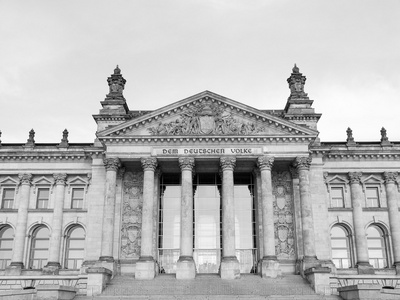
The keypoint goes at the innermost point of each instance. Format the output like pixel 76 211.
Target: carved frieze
pixel 206 117
pixel 283 215
pixel 131 215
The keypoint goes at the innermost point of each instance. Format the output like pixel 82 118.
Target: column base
pixel 15 268
pixel 52 268
pixel 145 268
pixel 185 268
pixel 269 267
pixel 230 268
pixel 365 268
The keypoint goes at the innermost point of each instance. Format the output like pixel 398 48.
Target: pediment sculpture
pixel 206 118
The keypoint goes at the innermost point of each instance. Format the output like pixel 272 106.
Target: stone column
pixel 357 198
pixel 394 216
pixel 302 164
pixel 146 266
pixel 229 264
pixel 20 232
pixel 269 262
pixel 186 268
pixel 53 264
pixel 112 165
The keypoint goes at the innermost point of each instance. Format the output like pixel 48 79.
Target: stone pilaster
pixel 357 198
pixel 53 264
pixel 112 165
pixel 20 232
pixel 302 164
pixel 394 217
pixel 146 266
pixel 186 268
pixel 269 263
pixel 229 264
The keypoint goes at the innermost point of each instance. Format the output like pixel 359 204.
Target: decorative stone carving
pixel 131 215
pixel 149 163
pixel 384 138
pixel 355 177
pixel 350 139
pixel 390 177
pixel 60 178
pixel 227 163
pixel 265 162
pixel 116 84
pixel 25 178
pixel 112 164
pixel 206 117
pixel 64 140
pixel 293 171
pixel 296 83
pixel 302 163
pixel 30 142
pixel 283 215
pixel 186 163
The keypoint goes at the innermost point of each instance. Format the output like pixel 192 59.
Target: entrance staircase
pixel 210 287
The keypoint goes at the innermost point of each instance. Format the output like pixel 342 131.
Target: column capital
pixel 228 163
pixel 149 163
pixel 25 178
pixel 112 164
pixel 186 163
pixel 355 177
pixel 390 177
pixel 60 178
pixel 265 162
pixel 302 163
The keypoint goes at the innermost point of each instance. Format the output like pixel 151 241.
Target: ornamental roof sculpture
pixel 206 118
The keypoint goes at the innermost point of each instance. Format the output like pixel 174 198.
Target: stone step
pixel 211 287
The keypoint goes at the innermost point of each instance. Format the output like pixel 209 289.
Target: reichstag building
pixel 205 185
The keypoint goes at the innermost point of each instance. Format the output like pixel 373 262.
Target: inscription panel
pixel 207 151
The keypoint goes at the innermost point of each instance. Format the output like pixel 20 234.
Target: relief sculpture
pixel 283 215
pixel 206 118
pixel 131 215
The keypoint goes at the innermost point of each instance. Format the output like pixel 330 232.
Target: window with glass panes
pixel 75 247
pixel 376 247
pixel 43 195
pixel 77 198
pixel 337 197
pixel 372 195
pixel 8 198
pixel 39 248
pixel 6 243
pixel 340 246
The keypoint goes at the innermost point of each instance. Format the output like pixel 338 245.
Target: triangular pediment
pixel 207 114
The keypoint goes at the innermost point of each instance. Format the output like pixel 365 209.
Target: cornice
pixel 35 155
pixel 206 139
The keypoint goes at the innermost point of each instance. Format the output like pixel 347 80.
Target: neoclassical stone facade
pixel 203 185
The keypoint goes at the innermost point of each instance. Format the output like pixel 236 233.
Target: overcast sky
pixel 55 57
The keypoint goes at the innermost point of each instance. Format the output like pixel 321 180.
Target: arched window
pixel 39 248
pixel 75 248
pixel 340 245
pixel 6 243
pixel 377 247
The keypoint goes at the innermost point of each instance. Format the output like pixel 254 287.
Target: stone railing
pixel 33 281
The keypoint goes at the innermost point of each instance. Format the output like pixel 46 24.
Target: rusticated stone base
pixel 145 268
pixel 270 268
pixel 230 268
pixel 185 268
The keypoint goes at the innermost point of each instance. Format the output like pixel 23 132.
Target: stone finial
pixel 0 138
pixel 30 142
pixel 296 83
pixel 384 138
pixel 64 140
pixel 350 140
pixel 116 84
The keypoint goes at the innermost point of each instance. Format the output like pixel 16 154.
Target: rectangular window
pixel 8 198
pixel 43 195
pixel 77 198
pixel 337 197
pixel 372 194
